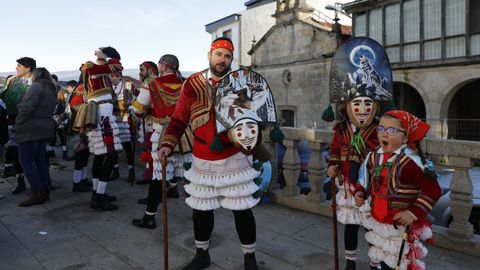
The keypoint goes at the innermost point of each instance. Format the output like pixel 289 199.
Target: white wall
pixel 255 22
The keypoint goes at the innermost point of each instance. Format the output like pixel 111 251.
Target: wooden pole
pixel 334 216
pixel 164 213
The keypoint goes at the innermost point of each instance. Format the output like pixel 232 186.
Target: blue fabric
pixel 34 162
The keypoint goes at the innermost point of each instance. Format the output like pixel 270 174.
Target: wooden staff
pixel 402 247
pixel 334 216
pixel 164 214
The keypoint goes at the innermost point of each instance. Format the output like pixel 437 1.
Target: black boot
pixel 65 155
pixel 131 176
pixel 147 221
pixel 143 201
pixel 200 261
pixel 45 194
pixel 35 198
pixel 351 265
pixel 172 192
pixel 80 187
pixel 51 153
pixel 86 183
pixel 249 261
pixel 100 202
pixel 8 171
pixel 20 187
pixel 115 174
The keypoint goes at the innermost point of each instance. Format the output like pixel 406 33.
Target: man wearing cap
pixel 218 176
pixel 160 99
pixel 12 94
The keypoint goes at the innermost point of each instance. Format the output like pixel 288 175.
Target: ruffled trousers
pixel 226 183
pixel 386 242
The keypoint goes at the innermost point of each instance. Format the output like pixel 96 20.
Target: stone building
pixel 295 56
pixel 434 48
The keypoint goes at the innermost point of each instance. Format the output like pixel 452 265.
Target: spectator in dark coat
pixel 34 127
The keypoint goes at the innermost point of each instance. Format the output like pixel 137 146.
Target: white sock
pixel 77 176
pixel 202 244
pixel 64 148
pixel 115 166
pixel 248 248
pixel 19 175
pixel 95 183
pixel 130 166
pixel 351 255
pixel 149 213
pixel 84 172
pixel 102 187
pixel 11 165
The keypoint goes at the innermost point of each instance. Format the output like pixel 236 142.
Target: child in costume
pixel 403 190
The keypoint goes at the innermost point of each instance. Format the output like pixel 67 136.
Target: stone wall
pixel 298 48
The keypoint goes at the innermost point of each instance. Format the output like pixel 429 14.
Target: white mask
pixel 362 111
pixel 244 134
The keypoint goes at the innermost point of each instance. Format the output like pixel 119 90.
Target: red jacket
pixel 195 107
pixel 347 157
pixel 98 80
pixel 164 94
pixel 401 187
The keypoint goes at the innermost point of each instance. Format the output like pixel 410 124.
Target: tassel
pixel 257 165
pixel 187 165
pixel 276 135
pixel 328 115
pixel 216 145
pixel 257 194
pixel 258 181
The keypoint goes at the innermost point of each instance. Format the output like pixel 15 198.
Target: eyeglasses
pixel 390 131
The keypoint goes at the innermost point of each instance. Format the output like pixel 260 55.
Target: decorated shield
pixel 243 94
pixel 360 65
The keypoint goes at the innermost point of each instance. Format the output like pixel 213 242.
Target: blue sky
pixel 61 35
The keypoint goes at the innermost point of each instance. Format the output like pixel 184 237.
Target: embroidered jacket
pixel 195 107
pixel 402 185
pixel 77 97
pixel 98 82
pixel 345 154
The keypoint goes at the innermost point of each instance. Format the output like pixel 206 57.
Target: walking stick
pixel 334 217
pixel 402 247
pixel 164 214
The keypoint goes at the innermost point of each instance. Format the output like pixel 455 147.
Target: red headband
pixel 415 128
pixel 222 44
pixel 149 66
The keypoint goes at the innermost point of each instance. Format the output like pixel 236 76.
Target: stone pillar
pixel 291 168
pixel 317 173
pixel 461 198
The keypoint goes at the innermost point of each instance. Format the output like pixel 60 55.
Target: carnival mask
pixel 361 111
pixel 244 134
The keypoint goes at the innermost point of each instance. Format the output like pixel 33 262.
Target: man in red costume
pixel 160 99
pixel 148 73
pixel 220 175
pixel 103 140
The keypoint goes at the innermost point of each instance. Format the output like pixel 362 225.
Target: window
pixel 411 52
pixel 392 24
pixel 474 13
pixel 393 54
pixel 455 12
pixel 475 44
pixel 227 34
pixel 375 29
pixel 411 21
pixel 432 19
pixel 455 47
pixel 360 25
pixel 432 49
pixel 288 118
